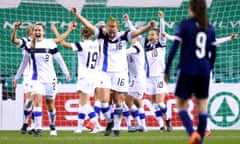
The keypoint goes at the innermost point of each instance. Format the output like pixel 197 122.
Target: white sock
pixel 27 109
pixel 52 117
pixel 142 119
pixel 81 116
pixel 37 117
pixel 91 114
pixel 106 110
pixel 117 118
pixel 126 114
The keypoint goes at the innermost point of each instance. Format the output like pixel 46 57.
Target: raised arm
pixel 128 22
pixel 132 28
pixel 83 20
pixel 63 42
pixel 61 37
pixel 162 27
pixel 143 29
pixel 14 38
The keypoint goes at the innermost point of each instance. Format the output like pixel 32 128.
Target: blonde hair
pixel 86 33
pixel 29 30
pixel 113 21
pixel 33 43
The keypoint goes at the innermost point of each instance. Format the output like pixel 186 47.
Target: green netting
pixel 224 15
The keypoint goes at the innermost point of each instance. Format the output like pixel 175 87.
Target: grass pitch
pixel 151 137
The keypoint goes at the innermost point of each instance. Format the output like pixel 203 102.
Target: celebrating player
pixel 155 49
pixel 114 67
pixel 197 58
pixel 88 56
pixel 137 75
pixel 44 79
pixel 26 75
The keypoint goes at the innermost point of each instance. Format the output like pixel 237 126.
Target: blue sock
pixel 142 115
pixel 187 122
pixel 97 109
pixel 158 113
pixel 135 113
pixel 202 123
pixel 126 113
pixel 164 110
pixel 81 116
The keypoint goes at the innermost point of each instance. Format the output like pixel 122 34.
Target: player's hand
pixel 17 25
pixel 74 25
pixel 164 34
pixel 53 27
pixel 166 77
pixel 68 78
pixel 74 10
pixel 125 17
pixel 14 83
pixel 234 36
pixel 153 23
pixel 160 14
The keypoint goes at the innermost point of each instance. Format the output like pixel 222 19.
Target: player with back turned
pixel 88 54
pixel 197 57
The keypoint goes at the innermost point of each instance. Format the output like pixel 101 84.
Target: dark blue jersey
pixel 197 54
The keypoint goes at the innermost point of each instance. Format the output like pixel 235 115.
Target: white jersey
pixel 28 71
pixel 100 56
pixel 88 56
pixel 136 62
pixel 155 59
pixel 42 58
pixel 155 54
pixel 114 51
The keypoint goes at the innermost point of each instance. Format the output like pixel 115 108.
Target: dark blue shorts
pixel 188 85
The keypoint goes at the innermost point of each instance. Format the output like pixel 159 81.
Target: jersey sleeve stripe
pixel 137 49
pixel 105 60
pixel 23 43
pixel 53 51
pixel 78 46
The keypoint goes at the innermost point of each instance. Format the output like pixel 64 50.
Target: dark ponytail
pixel 199 9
